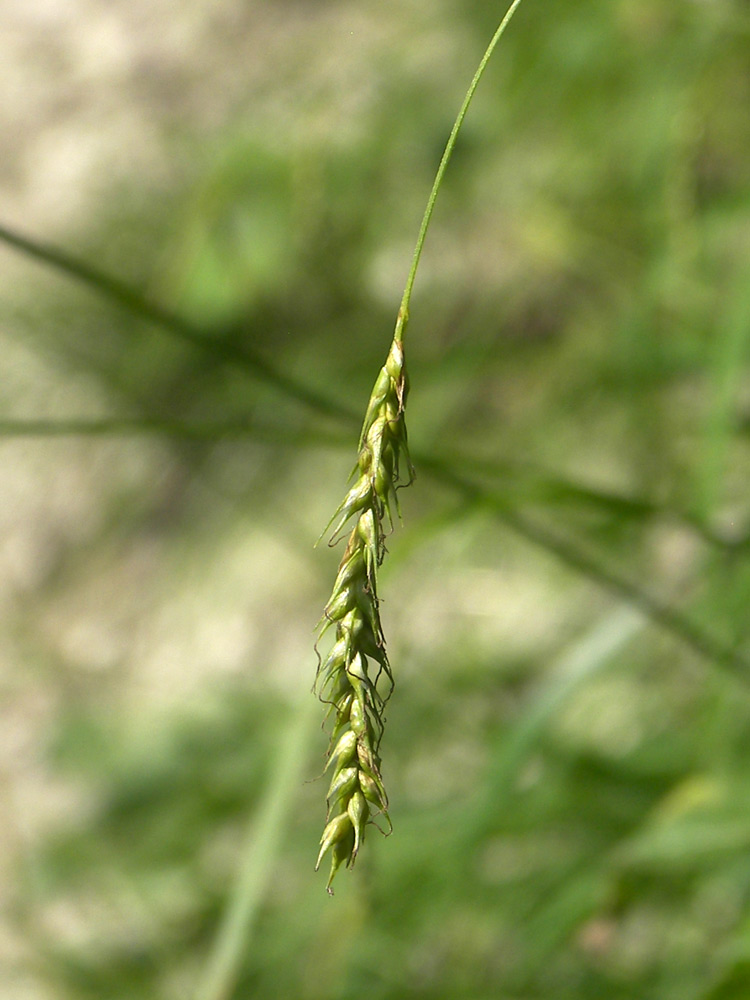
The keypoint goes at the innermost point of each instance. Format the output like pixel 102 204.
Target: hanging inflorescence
pixel 355 678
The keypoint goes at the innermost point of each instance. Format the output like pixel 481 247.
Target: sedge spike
pixel 355 679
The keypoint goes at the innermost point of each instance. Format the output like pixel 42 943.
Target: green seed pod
pixel 359 814
pixel 360 682
pixel 373 791
pixel 353 610
pixel 375 441
pixel 335 831
pixel 366 759
pixel 342 852
pixel 344 750
pixel 358 717
pixel 389 457
pixel 370 647
pixel 368 534
pixel 342 709
pixel 336 657
pixel 357 667
pixel 344 783
pixel 356 499
pixel 353 568
pixel 376 430
pixel 368 605
pixel 394 363
pixel 340 603
pixel 380 390
pixel 383 484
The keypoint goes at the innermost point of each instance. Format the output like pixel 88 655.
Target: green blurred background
pixel 567 600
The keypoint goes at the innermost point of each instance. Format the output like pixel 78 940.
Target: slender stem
pixel 403 313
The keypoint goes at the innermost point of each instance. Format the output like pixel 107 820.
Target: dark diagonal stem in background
pixel 139 305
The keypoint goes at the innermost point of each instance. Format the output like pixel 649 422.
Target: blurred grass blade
pixel 588 656
pixel 659 612
pixel 213 430
pixel 134 302
pixel 262 847
pixel 727 380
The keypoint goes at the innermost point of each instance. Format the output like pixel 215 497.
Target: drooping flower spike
pixel 355 678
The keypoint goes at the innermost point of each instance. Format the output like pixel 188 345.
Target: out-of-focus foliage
pixel 569 780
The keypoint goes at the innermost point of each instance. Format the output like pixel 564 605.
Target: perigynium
pixel 355 678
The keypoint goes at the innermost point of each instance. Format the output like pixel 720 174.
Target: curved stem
pixel 403 313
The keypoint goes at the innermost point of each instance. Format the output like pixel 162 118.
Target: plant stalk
pixel 403 313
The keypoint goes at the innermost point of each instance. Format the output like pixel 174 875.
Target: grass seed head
pixel 345 679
